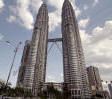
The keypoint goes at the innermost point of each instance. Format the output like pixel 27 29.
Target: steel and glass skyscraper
pixel 75 75
pixel 24 62
pixel 40 66
pixel 36 69
pixel 95 82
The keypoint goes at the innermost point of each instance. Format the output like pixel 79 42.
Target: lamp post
pixel 15 52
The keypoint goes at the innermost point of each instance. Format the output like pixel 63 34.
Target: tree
pixel 51 91
pixel 15 92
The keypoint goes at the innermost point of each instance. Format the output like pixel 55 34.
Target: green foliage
pixel 51 90
pixel 15 92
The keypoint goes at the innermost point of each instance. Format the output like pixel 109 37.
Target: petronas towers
pixel 75 76
pixel 35 71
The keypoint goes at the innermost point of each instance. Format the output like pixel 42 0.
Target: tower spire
pixel 66 0
pixel 44 1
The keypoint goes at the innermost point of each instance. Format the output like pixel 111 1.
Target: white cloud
pixel 84 37
pixel 25 9
pixel 85 7
pixel 51 78
pixel 54 21
pixel 1 5
pixel 77 12
pixel 98 49
pixel 95 2
pixel 76 9
pixel 35 4
pixel 102 33
pixel 55 17
pixel 1 36
pixel 23 14
pixel 57 3
pixel 26 18
pixel 54 78
pixel 84 23
pixel 11 19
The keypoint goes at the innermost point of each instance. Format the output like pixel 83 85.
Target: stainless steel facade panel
pixel 35 72
pixel 73 57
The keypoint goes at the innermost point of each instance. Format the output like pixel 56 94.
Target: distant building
pixel 24 62
pixel 94 79
pixel 95 84
pixel 106 95
pixel 110 89
pixel 51 90
pixel 102 95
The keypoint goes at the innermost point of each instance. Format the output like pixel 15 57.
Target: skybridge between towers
pixel 55 40
pixel 74 67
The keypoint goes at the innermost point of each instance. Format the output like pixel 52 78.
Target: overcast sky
pixel 95 23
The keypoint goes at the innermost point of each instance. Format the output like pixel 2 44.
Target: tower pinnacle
pixel 66 0
pixel 44 1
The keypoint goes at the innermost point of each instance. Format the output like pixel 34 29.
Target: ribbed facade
pixel 40 67
pixel 95 82
pixel 75 75
pixel 24 63
pixel 35 72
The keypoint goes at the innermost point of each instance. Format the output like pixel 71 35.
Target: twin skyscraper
pixel 75 76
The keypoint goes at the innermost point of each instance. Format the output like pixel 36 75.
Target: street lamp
pixel 15 52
